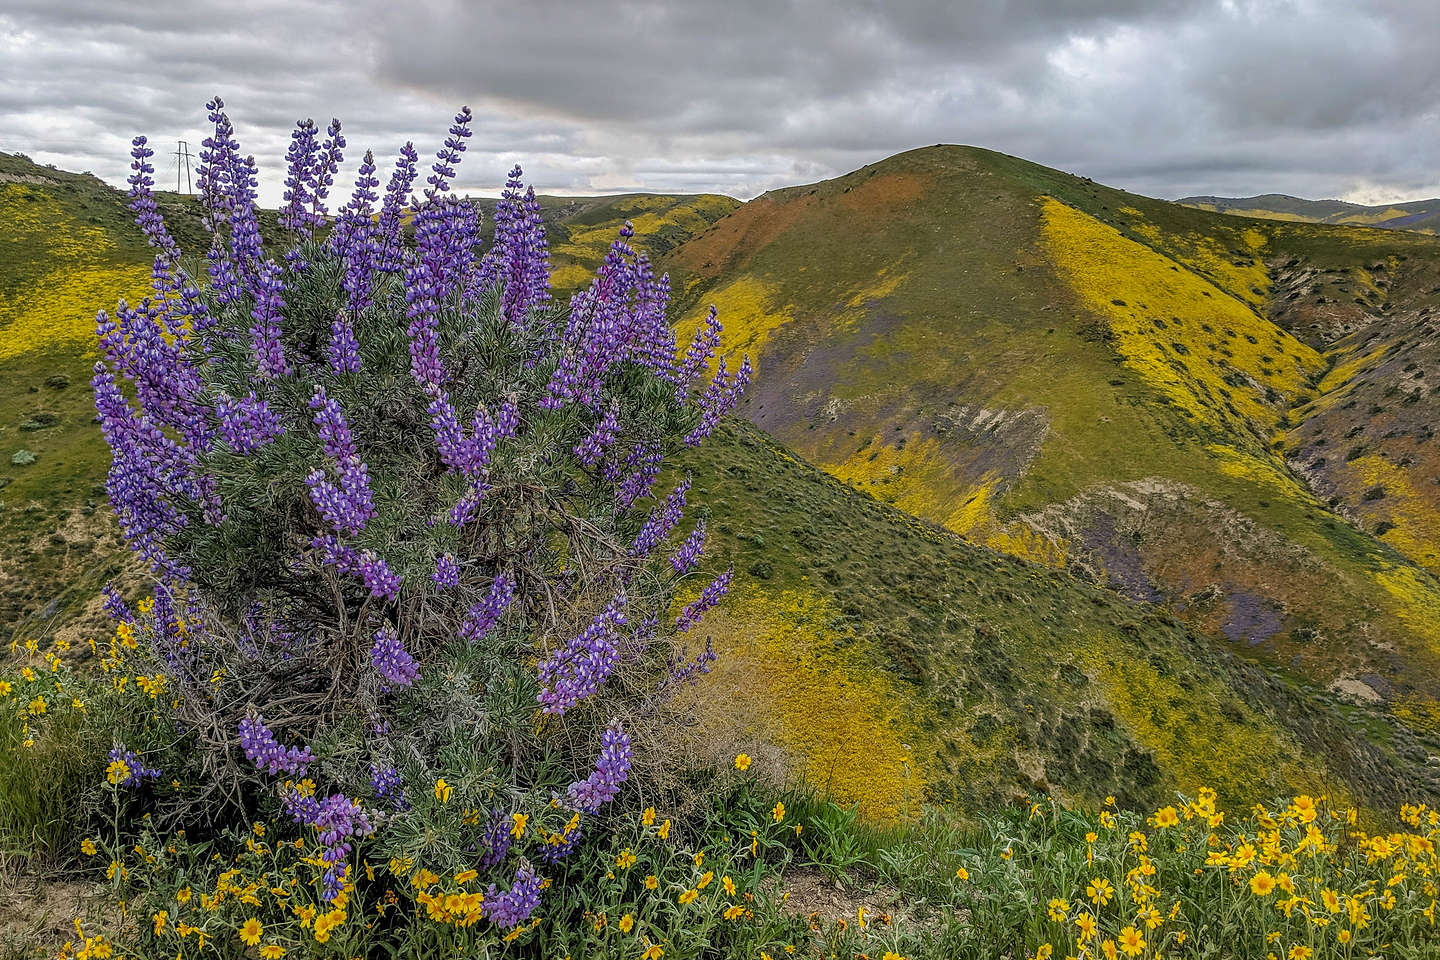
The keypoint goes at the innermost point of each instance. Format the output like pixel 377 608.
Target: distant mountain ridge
pixel 1420 215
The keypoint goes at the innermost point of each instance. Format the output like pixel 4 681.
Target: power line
pixel 182 160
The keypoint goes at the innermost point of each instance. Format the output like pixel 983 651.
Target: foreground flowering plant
pixel 401 508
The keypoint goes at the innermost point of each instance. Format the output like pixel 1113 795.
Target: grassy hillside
pixel 1421 215
pixel 1099 381
pixel 893 663
pixel 870 650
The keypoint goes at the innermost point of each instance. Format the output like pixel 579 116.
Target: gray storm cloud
pixel 1323 98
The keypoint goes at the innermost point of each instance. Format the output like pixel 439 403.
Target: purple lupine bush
pixel 402 505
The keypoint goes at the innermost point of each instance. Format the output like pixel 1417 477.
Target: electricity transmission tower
pixel 182 162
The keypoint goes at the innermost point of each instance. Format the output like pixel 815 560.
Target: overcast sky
pixel 1320 98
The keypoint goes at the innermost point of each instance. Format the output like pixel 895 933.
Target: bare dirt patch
pixel 37 916
pixel 810 893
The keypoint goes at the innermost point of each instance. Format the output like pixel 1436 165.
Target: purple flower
pixel 189 380
pixel 378 577
pixel 685 670
pixel 709 597
pixel 664 518
pixel 469 454
pixel 138 772
pixel 366 564
pixel 147 470
pixel 519 257
pixel 643 466
pixel 578 669
pixel 147 214
pixel 513 907
pixel 239 268
pixel 262 749
pixel 495 841
pixel 447 572
pixel 386 783
pixel 336 819
pixel 115 605
pixel 697 356
pixel 687 557
pixel 391 660
pixel 303 157
pixel 389 226
pixel 328 165
pixel 311 173
pixel 334 431
pixel 343 351
pixel 468 505
pixel 445 233
pixel 246 424
pixel 354 240
pixel 265 332
pixel 719 398
pixel 176 648
pixel 483 615
pixel 558 846
pixel 612 769
pixel 618 319
pixel 593 447
pixel 347 505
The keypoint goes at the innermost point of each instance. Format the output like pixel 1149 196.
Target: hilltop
pixel 1420 215
pixel 1130 389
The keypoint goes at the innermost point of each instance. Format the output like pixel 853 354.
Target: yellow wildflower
pixel 250 932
